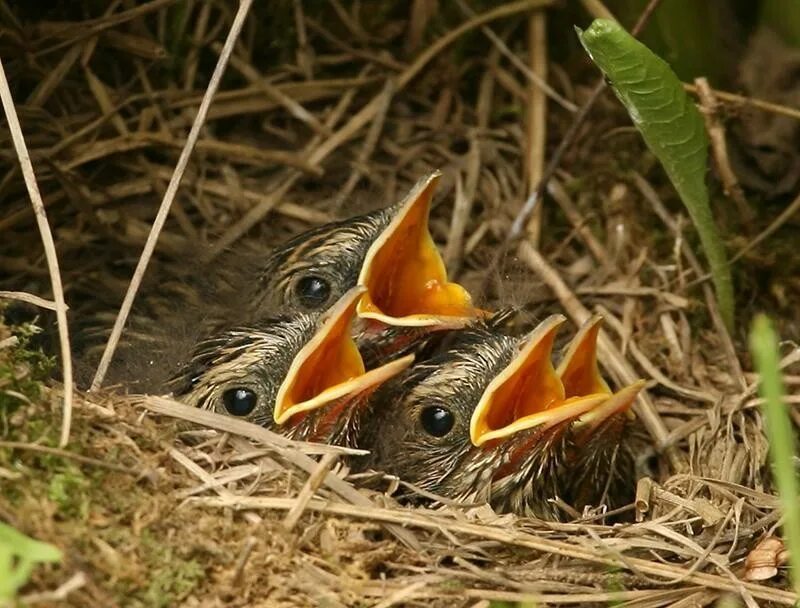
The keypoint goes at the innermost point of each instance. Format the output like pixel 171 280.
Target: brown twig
pixel 536 123
pixel 311 485
pixel 766 106
pixel 536 78
pixel 30 299
pixel 719 148
pixel 169 407
pixel 779 221
pixel 597 9
pixel 241 561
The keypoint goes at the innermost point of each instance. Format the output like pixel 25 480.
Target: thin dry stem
pixel 30 299
pixel 536 136
pixel 49 249
pixel 169 195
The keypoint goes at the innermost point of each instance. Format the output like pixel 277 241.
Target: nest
pixel 322 112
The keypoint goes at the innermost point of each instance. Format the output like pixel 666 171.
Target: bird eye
pixel 312 291
pixel 437 420
pixel 239 401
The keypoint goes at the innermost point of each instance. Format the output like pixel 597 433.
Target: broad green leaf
pixel 764 348
pixel 18 555
pixel 672 128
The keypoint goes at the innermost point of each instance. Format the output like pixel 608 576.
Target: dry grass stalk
pixel 24 158
pixel 536 118
pixel 169 195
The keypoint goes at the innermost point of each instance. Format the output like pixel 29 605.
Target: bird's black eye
pixel 239 401
pixel 437 420
pixel 312 291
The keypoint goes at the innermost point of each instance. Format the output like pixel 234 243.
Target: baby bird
pixel 490 419
pixel 389 253
pixel 302 376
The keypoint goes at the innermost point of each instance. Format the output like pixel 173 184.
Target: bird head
pixel 389 252
pixel 301 375
pixel 492 419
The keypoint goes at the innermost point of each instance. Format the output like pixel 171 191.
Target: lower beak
pixel 617 404
pixel 530 393
pixel 329 368
pixel 404 275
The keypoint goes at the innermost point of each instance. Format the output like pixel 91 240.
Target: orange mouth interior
pixel 529 393
pixel 526 387
pixel 329 367
pixel 405 276
pixel 578 369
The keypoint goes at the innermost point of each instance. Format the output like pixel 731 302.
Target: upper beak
pixel 329 367
pixel 404 274
pixel 529 392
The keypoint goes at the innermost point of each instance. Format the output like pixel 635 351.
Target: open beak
pixel 329 367
pixel 617 404
pixel 530 393
pixel 405 276
pixel 580 375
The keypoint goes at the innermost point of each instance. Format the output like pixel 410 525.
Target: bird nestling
pixel 301 375
pixel 490 419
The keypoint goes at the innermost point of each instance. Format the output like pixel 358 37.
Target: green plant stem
pixel 764 347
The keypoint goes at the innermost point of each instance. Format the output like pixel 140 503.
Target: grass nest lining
pixel 158 504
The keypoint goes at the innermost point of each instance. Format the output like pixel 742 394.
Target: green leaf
pixel 764 347
pixel 18 555
pixel 672 128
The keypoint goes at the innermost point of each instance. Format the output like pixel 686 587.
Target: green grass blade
pixel 764 347
pixel 672 128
